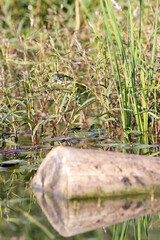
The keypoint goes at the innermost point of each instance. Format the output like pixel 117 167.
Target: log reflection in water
pixel 74 217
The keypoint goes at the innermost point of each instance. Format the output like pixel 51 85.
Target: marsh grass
pixel 128 86
pixel 53 76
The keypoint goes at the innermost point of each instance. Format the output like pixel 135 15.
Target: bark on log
pixel 79 173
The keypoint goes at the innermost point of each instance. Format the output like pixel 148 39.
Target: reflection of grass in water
pixel 52 79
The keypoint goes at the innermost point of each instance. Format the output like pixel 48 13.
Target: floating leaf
pixel 128 146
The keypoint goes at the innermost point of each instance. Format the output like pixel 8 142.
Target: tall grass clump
pixel 65 65
pixel 134 77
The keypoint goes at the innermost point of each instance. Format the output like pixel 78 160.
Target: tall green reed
pixel 132 92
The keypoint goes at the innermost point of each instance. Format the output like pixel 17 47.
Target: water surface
pixel 21 215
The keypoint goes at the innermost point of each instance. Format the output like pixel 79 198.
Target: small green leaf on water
pixel 14 161
pixel 128 146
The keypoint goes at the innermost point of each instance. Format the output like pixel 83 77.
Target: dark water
pixel 21 217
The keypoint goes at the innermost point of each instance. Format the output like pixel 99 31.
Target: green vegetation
pixel 105 73
pixel 67 64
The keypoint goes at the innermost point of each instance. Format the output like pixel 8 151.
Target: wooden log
pixel 78 173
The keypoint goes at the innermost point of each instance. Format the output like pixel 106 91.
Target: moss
pixel 149 190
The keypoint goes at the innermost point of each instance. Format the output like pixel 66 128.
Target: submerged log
pixel 78 173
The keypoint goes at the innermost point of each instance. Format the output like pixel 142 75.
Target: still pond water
pixel 22 216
